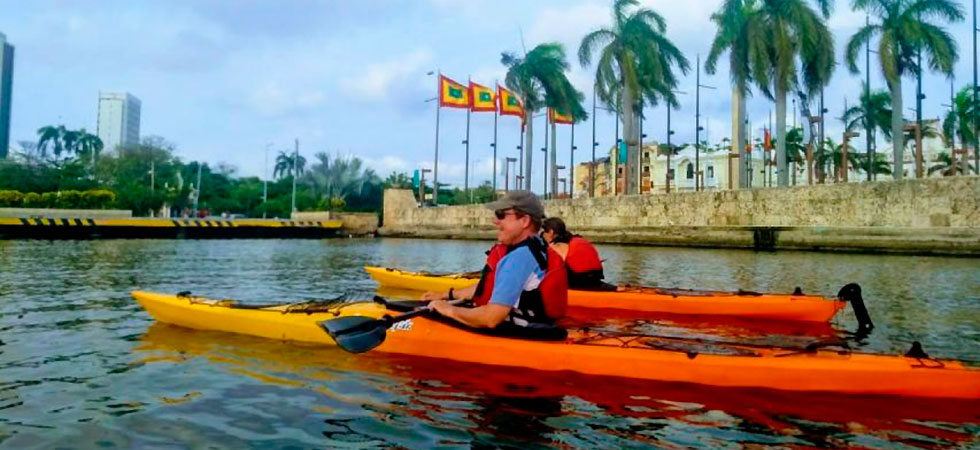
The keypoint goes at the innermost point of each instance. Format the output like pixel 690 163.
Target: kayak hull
pixel 593 354
pixel 812 308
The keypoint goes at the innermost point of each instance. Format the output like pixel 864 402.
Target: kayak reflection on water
pixel 432 401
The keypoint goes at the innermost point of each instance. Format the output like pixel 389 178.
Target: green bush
pixel 32 200
pixel 11 199
pixel 68 200
pixel 333 204
pixel 49 199
pixel 97 199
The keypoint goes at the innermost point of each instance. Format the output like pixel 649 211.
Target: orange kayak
pixel 814 308
pixel 588 352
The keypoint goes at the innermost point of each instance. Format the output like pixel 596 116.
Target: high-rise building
pixel 6 89
pixel 119 119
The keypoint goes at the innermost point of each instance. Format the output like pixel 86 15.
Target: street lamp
pixel 843 153
pixel 435 173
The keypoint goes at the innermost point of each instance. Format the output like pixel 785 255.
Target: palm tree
pixel 906 28
pixel 539 79
pixel 339 177
pixel 795 31
pixel 828 159
pixel 947 166
pixel 636 62
pixel 880 165
pixel 88 144
pixel 873 111
pixel 959 120
pixel 52 137
pixel 795 150
pixel 741 33
pixel 285 164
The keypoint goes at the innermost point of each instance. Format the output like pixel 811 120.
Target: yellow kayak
pixel 641 299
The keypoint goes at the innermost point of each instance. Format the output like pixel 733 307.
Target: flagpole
pixel 594 145
pixel 295 173
pixel 495 142
pixel 520 156
pixel 435 168
pixel 544 164
pixel 466 176
pixel 571 165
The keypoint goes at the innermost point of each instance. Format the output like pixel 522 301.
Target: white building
pixel 119 119
pixel 6 88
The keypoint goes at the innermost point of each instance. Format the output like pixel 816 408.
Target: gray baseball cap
pixel 523 201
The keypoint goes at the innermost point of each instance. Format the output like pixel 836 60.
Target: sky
pixel 233 81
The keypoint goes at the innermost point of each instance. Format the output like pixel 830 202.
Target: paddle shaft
pixel 387 321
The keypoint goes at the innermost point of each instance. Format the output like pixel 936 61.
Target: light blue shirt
pixel 517 272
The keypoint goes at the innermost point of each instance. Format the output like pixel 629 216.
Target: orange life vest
pixel 549 299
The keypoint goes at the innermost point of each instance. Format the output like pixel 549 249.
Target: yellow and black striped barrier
pixel 80 228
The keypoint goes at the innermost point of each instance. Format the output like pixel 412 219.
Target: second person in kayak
pixel 581 257
pixel 524 282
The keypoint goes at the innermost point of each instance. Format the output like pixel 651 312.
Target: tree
pixel 740 32
pixel 285 164
pixel 948 166
pixel 829 156
pixel 53 138
pixel 539 80
pixel 906 28
pixel 795 150
pixel 398 180
pixel 959 120
pixel 636 62
pixel 339 177
pixel 873 111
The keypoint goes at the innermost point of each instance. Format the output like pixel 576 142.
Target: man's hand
pixel 435 295
pixel 441 306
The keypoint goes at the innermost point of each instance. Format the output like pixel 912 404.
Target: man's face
pixel 510 225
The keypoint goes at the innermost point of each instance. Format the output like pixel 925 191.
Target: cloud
pixel 376 82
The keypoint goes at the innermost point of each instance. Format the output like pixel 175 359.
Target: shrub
pixel 32 200
pixel 11 199
pixel 68 200
pixel 48 200
pixel 98 198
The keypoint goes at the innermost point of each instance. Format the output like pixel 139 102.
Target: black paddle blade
pixel 356 334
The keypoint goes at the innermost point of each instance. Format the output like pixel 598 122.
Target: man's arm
pixel 486 316
pixel 464 293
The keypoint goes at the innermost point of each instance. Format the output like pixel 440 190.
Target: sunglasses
pixel 502 213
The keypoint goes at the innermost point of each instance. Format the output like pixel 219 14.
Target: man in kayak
pixel 524 283
pixel 581 257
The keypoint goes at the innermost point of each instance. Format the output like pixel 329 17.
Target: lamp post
pixel 594 145
pixel 697 125
pixel 843 153
pixel 295 174
pixel 435 166
pixel 265 179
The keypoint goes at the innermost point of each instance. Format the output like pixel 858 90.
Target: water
pixel 81 365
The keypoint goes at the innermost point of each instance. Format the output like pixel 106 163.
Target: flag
pixel 556 117
pixel 510 105
pixel 453 94
pixel 483 98
pixel 767 140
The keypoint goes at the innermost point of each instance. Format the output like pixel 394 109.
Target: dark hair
pixel 558 226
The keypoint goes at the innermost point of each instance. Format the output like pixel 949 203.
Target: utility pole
pixel 295 173
pixel 265 179
pixel 697 126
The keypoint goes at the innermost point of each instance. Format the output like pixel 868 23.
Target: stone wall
pixel 358 224
pixel 938 215
pixel 66 213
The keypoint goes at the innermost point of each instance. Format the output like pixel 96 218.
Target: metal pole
pixel 571 164
pixel 594 145
pixel 976 136
pixel 697 127
pixel 495 150
pixel 918 103
pixel 295 173
pixel 554 159
pixel 265 180
pixel 198 198
pixel 639 156
pixel 435 167
pixel 869 137
pixel 669 149
pixel 466 171
pixel 615 158
pixel 544 165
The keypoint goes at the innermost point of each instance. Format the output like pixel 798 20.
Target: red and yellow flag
pixel 483 98
pixel 510 105
pixel 453 94
pixel 556 117
pixel 767 140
